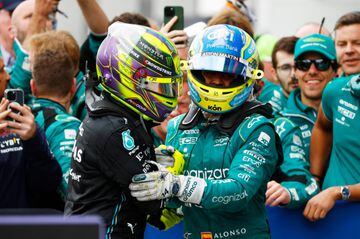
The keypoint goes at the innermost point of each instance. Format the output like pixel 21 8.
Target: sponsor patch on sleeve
pixel 70 133
pixel 294 194
pixel 297 140
pixel 312 187
pixel 264 138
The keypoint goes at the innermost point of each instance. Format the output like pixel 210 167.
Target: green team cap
pixel 316 43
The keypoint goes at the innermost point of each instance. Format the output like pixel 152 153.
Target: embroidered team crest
pixel 128 141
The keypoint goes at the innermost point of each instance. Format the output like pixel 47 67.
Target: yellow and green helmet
pixel 227 49
pixel 140 68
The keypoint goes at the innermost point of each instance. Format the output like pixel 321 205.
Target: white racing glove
pixel 170 158
pixel 163 184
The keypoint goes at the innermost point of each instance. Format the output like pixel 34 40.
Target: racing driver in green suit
pixel 229 144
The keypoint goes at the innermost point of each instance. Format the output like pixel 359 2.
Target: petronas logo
pixel 128 141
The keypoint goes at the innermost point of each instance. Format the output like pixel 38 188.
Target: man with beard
pixel 284 71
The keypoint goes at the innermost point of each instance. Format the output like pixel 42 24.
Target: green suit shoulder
pixel 284 127
pixel 60 130
pixel 250 124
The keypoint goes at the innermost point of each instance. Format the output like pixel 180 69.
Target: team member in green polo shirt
pixel 270 91
pixel 315 66
pixel 337 129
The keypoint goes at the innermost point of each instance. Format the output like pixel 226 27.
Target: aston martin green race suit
pixel 302 116
pixel 60 130
pixel 295 169
pixel 236 167
pixel 273 94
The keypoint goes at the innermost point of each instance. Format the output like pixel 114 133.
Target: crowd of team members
pixel 311 81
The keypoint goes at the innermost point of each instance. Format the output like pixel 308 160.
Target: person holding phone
pixel 173 28
pixel 25 159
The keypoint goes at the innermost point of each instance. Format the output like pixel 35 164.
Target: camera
pixel 169 12
pixel 15 95
pixel 11 96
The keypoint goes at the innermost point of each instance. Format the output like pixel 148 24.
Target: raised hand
pixel 178 37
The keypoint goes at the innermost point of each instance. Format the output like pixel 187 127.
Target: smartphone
pixel 170 12
pixel 14 95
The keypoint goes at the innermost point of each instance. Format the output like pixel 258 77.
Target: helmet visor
pixel 168 87
pixel 235 80
pixel 226 64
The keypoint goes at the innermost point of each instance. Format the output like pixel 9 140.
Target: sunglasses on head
pixel 320 64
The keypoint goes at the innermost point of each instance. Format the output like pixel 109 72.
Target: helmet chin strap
pixel 252 96
pixel 211 118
